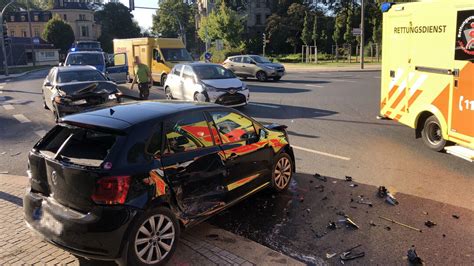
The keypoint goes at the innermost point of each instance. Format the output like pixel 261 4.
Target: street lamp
pixel 5 62
pixel 362 35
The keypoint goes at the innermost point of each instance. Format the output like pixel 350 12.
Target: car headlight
pixel 209 88
pixel 244 87
pixel 112 97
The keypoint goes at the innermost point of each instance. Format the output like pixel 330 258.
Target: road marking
pixel 312 85
pixel 321 153
pixel 8 107
pixel 265 105
pixel 345 80
pixel 21 118
pixel 40 133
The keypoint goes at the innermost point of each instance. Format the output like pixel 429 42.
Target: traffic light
pixel 264 38
pixel 131 5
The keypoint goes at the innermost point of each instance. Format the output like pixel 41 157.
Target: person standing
pixel 142 76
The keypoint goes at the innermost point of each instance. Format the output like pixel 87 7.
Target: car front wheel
pixel 261 76
pixel 282 172
pixel 432 135
pixel 154 238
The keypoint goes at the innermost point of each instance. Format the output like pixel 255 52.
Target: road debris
pixel 362 201
pixel 455 216
pixel 430 223
pixel 320 187
pixel 15 154
pixel 330 255
pixel 353 185
pixel 322 178
pixel 384 193
pixel 349 255
pixel 349 223
pixel 425 213
pixel 372 223
pixel 348 178
pixel 3 153
pixel 332 226
pixel 399 223
pixel 324 198
pixel 301 198
pixel 388 228
pixel 413 257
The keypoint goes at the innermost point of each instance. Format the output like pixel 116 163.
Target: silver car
pixel 247 66
pixel 203 82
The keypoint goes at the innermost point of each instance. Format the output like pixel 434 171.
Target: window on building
pixel 84 31
pixel 23 33
pixel 65 17
pixel 258 19
pixel 12 33
pixel 82 17
pixel 37 32
pixel 23 18
pixel 12 18
pixel 36 18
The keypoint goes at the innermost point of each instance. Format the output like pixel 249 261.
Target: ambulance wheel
pixel 432 135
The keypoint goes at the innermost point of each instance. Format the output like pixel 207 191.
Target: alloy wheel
pixel 282 172
pixel 154 239
pixel 168 93
pixel 261 76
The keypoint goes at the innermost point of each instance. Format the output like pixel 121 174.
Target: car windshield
pixel 85 59
pixel 176 54
pixel 212 72
pixel 77 76
pixel 259 59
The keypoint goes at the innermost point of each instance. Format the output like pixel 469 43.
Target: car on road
pixel 204 82
pixel 247 66
pixel 86 46
pixel 68 90
pixel 121 183
pixel 86 58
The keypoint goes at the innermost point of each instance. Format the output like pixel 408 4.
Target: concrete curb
pixel 333 69
pixel 12 76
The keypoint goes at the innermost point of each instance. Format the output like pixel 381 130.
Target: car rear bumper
pixel 99 234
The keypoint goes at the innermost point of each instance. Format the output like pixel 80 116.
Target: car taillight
pixel 111 190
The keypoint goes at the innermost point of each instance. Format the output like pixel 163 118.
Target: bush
pixel 220 56
pixel 296 58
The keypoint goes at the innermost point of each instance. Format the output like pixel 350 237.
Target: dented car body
pixel 99 178
pixel 73 89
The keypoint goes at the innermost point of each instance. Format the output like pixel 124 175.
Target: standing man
pixel 142 76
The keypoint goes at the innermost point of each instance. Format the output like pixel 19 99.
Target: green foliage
pixel 306 35
pixel 222 24
pixel 166 21
pixel 348 37
pixel 314 32
pixel 117 22
pixel 59 33
pixel 220 56
pixel 339 28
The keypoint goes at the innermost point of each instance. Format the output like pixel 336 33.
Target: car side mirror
pixel 47 84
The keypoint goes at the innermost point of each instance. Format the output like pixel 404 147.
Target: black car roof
pixel 123 116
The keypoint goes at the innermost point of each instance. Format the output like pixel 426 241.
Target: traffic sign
pixel 356 32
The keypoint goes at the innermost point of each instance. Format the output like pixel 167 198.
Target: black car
pixel 121 183
pixel 73 89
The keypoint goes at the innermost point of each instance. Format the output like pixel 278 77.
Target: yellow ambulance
pixel 428 72
pixel 159 54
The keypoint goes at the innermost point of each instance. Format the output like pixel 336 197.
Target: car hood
pixel 275 65
pixel 223 83
pixel 81 88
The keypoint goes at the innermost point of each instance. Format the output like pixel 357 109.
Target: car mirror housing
pixel 47 84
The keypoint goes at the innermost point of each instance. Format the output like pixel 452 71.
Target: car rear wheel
pixel 153 238
pixel 432 135
pixel 261 76
pixel 282 172
pixel 168 94
pixel 163 79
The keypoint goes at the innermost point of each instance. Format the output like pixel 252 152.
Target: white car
pixel 204 82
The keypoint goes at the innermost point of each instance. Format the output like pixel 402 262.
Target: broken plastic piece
pixel 353 185
pixel 382 192
pixel 361 201
pixel 322 178
pixel 330 255
pixel 391 199
pixel 413 257
pixel 430 223
pixel 332 226
pixel 349 223
pixel 349 255
pixel 372 223
pixel 348 178
pixel 388 228
pixel 455 216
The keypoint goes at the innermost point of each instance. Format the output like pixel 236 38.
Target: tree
pixel 117 22
pixel 306 34
pixel 222 24
pixel 314 34
pixel 169 17
pixel 348 36
pixel 339 26
pixel 59 33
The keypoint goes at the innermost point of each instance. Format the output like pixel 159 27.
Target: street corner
pixel 336 220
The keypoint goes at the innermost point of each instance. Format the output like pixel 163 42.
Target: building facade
pixel 76 13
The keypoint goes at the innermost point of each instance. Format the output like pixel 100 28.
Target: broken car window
pixel 233 127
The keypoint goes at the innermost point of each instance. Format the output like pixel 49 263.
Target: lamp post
pixel 362 35
pixel 33 54
pixel 2 38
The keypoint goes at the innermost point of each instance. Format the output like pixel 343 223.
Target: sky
pixel 143 16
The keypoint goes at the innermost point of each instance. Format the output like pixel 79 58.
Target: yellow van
pixel 159 54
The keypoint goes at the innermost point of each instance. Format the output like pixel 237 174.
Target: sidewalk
pixel 16 75
pixel 203 245
pixel 324 68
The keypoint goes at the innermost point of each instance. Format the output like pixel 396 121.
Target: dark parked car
pixel 122 182
pixel 73 89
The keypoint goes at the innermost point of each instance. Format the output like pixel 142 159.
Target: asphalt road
pixel 332 124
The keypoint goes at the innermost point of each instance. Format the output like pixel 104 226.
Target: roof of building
pixel 72 5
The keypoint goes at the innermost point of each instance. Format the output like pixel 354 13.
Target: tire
pixel 261 76
pixel 276 78
pixel 138 252
pixel 55 116
pixel 163 80
pixel 282 172
pixel 45 106
pixel 432 134
pixel 168 94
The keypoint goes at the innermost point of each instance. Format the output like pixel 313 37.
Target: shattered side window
pixel 187 133
pixel 232 126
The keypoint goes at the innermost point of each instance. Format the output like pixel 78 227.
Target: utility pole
pixel 33 54
pixel 207 23
pixel 362 35
pixel 2 39
pixel 264 43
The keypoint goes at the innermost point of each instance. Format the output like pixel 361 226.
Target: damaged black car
pixel 120 183
pixel 74 89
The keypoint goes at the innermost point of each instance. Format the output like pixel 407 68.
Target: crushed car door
pixel 193 165
pixel 117 70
